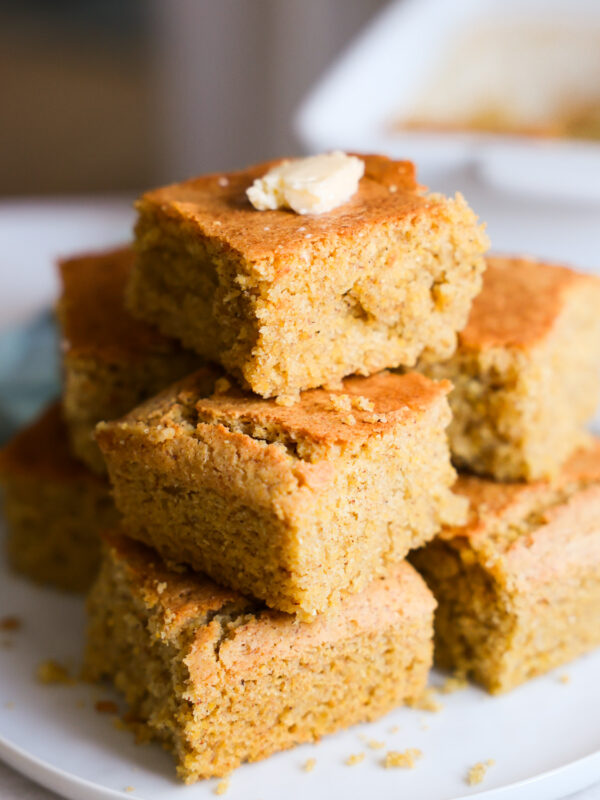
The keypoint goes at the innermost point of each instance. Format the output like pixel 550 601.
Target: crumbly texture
pixel 54 507
pixel 220 680
pixel 112 362
pixel 478 771
pixel 288 302
pixel 518 587
pixel 526 373
pixel 288 504
pixel 406 759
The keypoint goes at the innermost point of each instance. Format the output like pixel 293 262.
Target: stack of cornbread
pixel 277 394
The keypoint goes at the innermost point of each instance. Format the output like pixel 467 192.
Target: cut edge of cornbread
pixel 518 588
pixel 220 680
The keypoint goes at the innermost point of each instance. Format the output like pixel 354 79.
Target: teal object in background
pixel 29 372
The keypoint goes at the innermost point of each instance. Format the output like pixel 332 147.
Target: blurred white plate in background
pixel 533 55
pixel 34 233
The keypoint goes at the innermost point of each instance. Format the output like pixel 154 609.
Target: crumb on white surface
pixel 405 758
pixel 478 771
pixel 52 672
pixel 222 786
pixel 309 764
pixel 427 702
pixel 354 759
pixel 454 683
pixel 375 744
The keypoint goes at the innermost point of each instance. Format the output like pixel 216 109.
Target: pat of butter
pixel 308 185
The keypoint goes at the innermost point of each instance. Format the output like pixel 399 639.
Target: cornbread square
pixel 220 680
pixel 526 373
pixel 54 507
pixel 288 302
pixel 111 361
pixel 294 505
pixel 518 587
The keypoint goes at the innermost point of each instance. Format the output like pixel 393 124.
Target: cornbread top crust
pixel 216 207
pixel 92 312
pixel 530 530
pixel 361 408
pixel 40 451
pixel 184 597
pixel 520 302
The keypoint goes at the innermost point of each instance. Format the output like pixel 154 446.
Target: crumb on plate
pixel 50 671
pixel 406 759
pixel 478 771
pixel 355 759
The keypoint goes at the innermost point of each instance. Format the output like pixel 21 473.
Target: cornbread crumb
pixel 309 765
pixel 106 707
pixel 394 729
pixel 341 402
pixel 477 772
pixel 453 684
pixel 349 419
pixel 10 623
pixel 374 418
pixel 222 385
pixel 427 702
pixel 374 744
pixel 406 759
pixel 354 759
pixel 222 786
pixel 564 678
pixel 129 789
pixel 160 587
pixel 363 403
pixel 287 400
pixel 52 672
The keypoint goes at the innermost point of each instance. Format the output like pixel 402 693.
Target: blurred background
pixel 108 96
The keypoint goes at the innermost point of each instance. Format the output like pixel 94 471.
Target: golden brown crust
pixel 342 415
pixel 491 500
pixel 181 594
pixel 92 312
pixel 520 302
pixel 41 450
pixel 185 596
pixel 216 206
pixel 402 594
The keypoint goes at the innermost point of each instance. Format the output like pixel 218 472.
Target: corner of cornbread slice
pixel 288 302
pixel 112 362
pixel 295 505
pixel 518 587
pixel 220 680
pixel 54 506
pixel 526 372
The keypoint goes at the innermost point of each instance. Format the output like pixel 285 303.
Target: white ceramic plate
pixel 544 737
pixel 34 233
